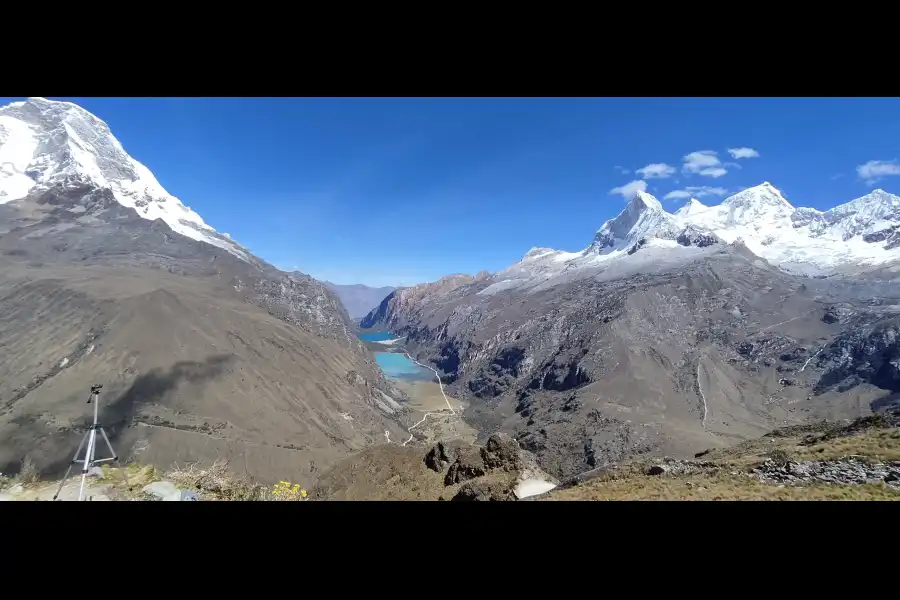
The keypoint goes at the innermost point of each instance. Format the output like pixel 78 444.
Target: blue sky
pixel 398 191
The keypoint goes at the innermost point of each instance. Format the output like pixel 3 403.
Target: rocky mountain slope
pixel 669 333
pixel 359 299
pixel 857 460
pixel 204 350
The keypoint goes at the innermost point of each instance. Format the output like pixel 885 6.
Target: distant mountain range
pixel 861 234
pixel 671 333
pixel 359 299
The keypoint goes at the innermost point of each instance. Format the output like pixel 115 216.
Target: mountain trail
pixel 429 414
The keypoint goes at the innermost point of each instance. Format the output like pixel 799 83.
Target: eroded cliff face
pixel 675 359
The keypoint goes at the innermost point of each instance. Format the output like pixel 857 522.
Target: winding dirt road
pixel 429 414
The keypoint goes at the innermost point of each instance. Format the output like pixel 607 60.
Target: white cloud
pixel 656 171
pixel 698 191
pixel 874 170
pixel 621 170
pixel 628 190
pixel 714 172
pixel 703 162
pixel 743 153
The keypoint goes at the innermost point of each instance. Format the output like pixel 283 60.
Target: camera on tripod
pixel 89 444
pixel 95 390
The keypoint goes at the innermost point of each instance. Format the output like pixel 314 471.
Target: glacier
pixel 862 232
pixel 45 142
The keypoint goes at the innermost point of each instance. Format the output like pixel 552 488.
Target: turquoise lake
pixel 395 364
pixel 378 336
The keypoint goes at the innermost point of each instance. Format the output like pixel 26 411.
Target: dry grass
pixel 781 456
pixel 217 483
pixel 28 473
pixel 880 445
pixel 214 482
pixel 132 478
pixel 728 476
pixel 386 472
pixel 720 486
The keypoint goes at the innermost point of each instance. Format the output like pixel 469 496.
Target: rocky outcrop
pixel 468 465
pixel 694 236
pixel 502 452
pixel 838 313
pixel 864 354
pixel 890 236
pixel 485 490
pixel 489 472
pixel 847 471
pixel 442 455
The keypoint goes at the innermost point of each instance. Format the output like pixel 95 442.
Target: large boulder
pixel 441 455
pixel 468 465
pixel 501 452
pixel 483 490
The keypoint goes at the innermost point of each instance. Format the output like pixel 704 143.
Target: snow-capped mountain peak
pixel 864 231
pixel 757 207
pixel 762 195
pixel 46 142
pixel 643 200
pixel 874 205
pixel 642 216
pixel 691 207
pixel 537 252
pixel 876 211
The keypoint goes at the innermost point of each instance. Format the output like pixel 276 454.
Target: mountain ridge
pixel 804 241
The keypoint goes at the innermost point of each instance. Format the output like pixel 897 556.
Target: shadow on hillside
pixel 153 387
pixel 886 402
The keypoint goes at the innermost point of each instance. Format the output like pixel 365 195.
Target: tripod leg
pixel 108 445
pixel 88 459
pixel 71 464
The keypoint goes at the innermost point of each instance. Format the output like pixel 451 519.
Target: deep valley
pixel 669 337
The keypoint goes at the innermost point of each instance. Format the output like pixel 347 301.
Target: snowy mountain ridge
pixel 45 142
pixel 643 216
pixel 864 231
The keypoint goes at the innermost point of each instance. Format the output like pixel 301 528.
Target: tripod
pixel 88 461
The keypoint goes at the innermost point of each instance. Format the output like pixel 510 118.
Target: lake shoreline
pixel 422 386
pixel 377 341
